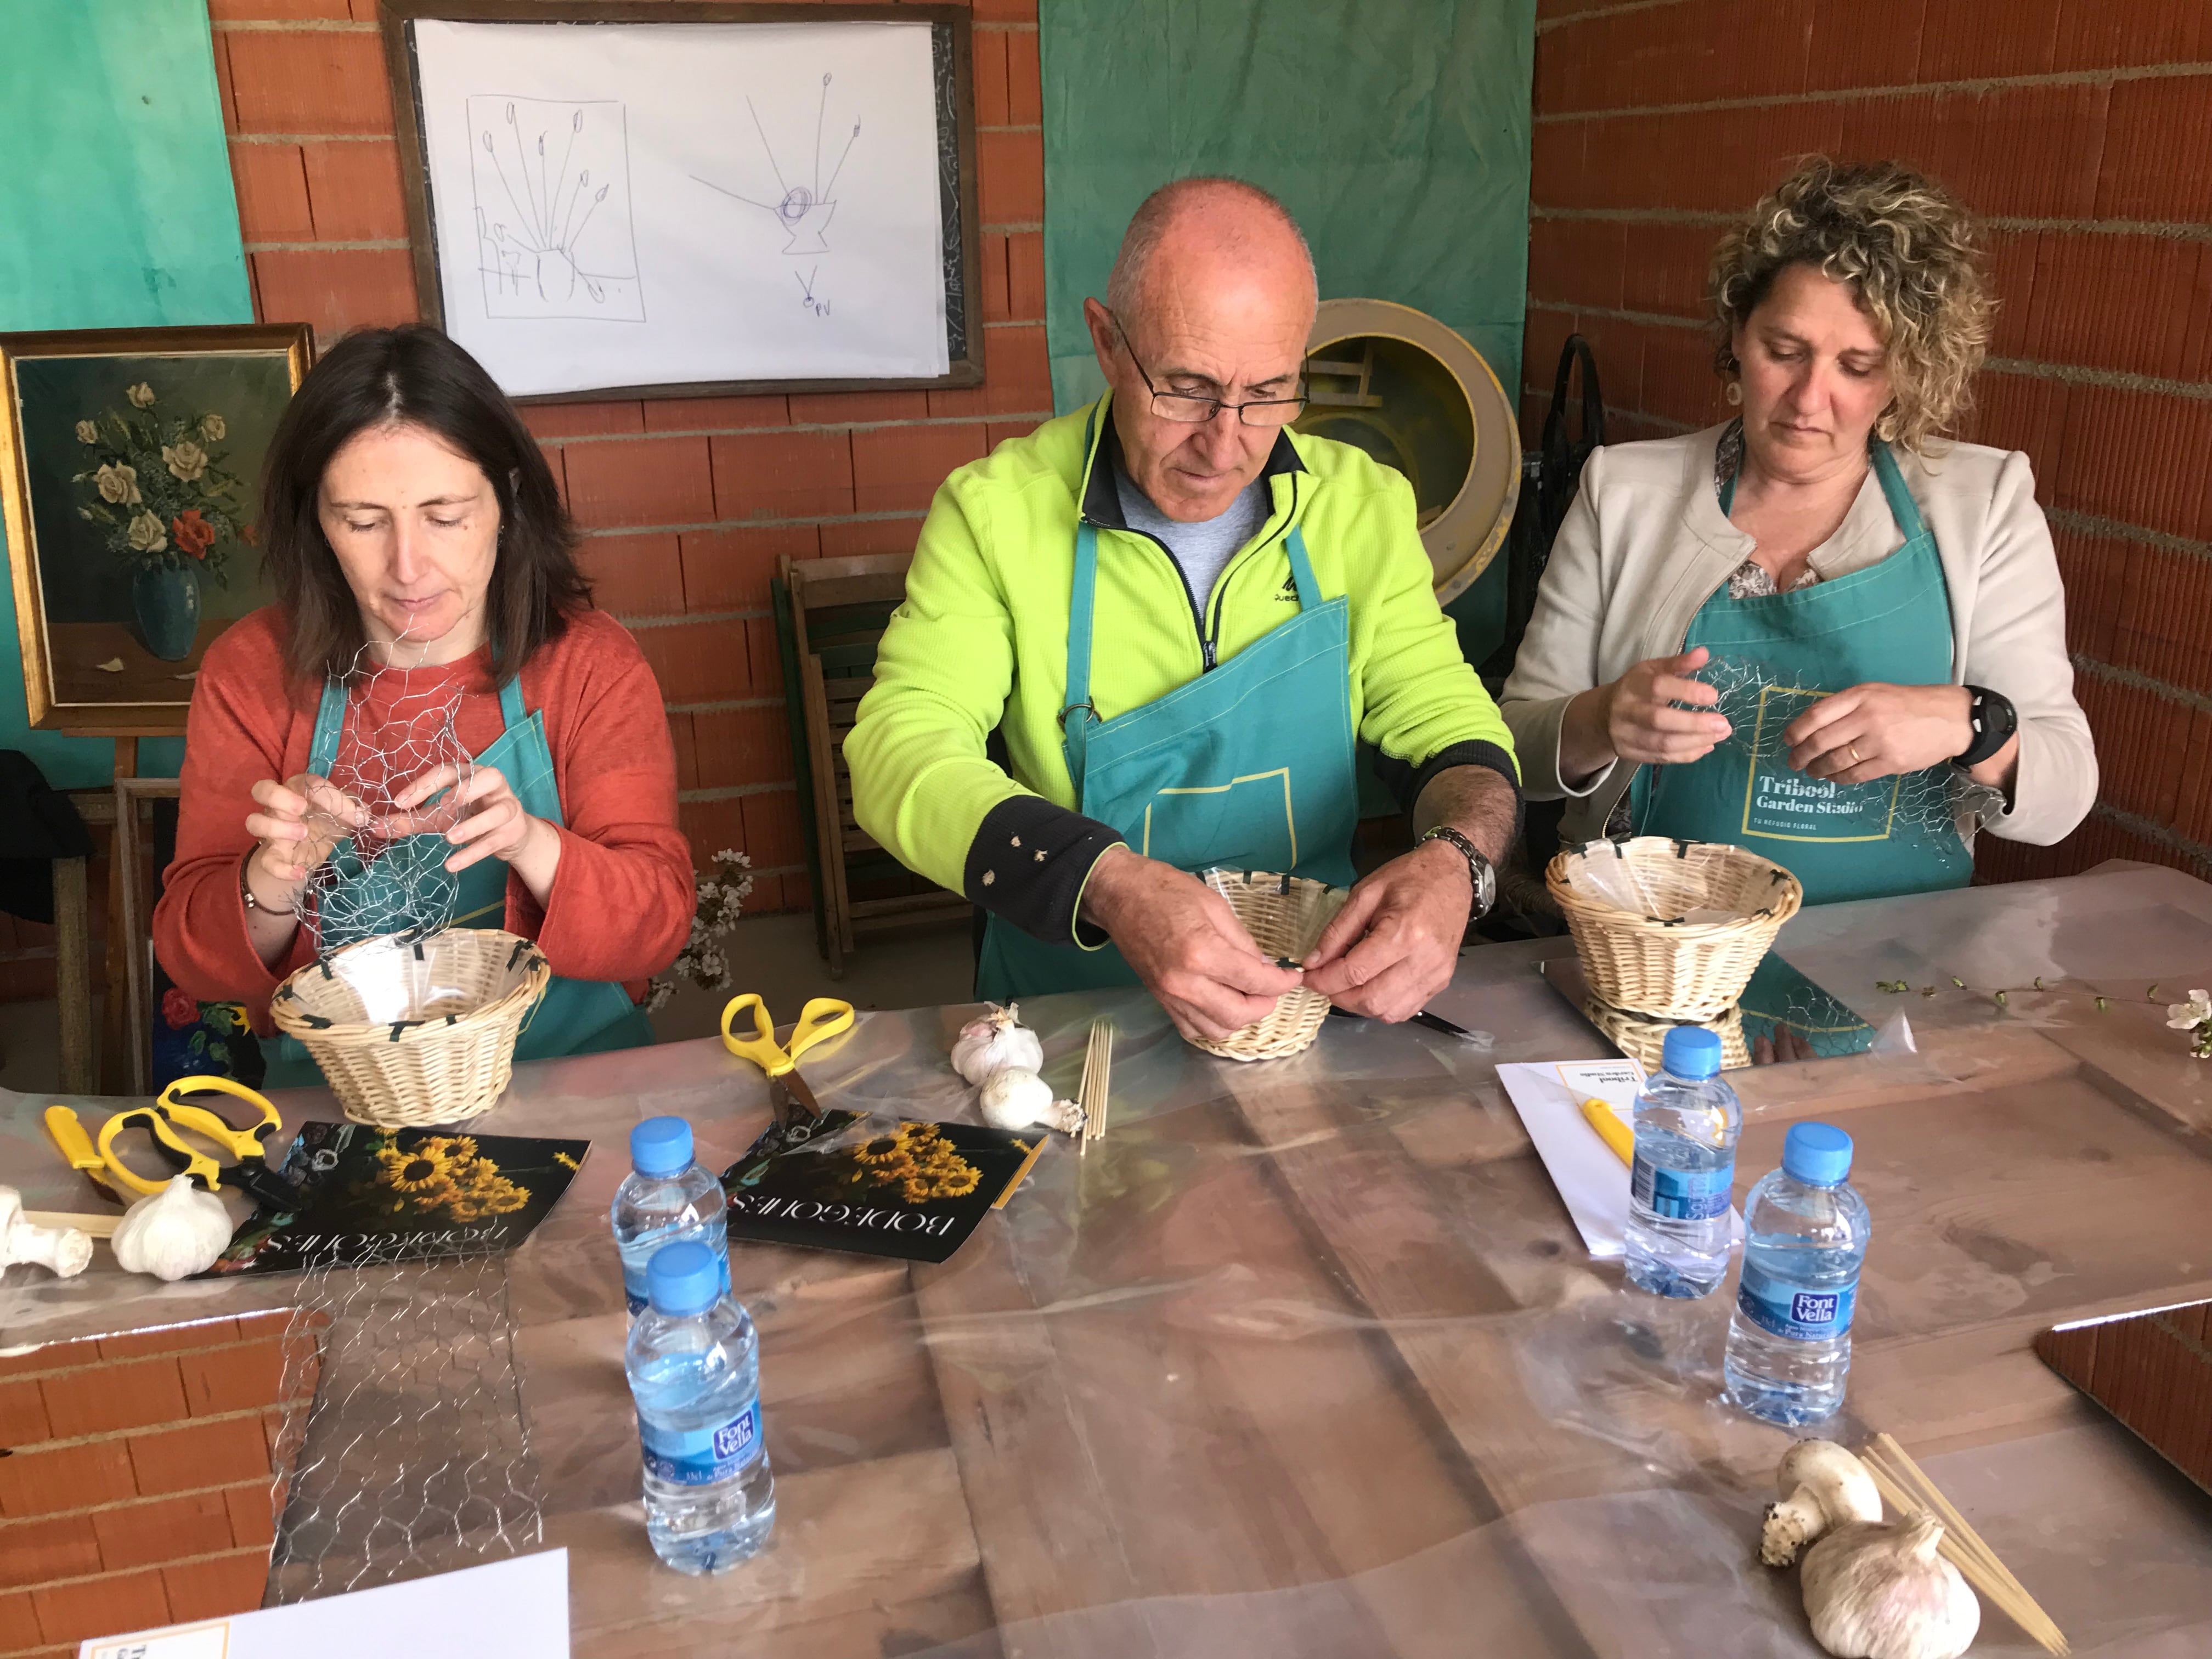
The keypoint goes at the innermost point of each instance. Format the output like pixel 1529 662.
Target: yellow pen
pixel 1610 1130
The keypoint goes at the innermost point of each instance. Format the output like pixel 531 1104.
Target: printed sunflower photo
pixel 380 1196
pixel 918 1162
pixel 444 1173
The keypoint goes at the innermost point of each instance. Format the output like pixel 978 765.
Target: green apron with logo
pixel 1889 623
pixel 574 1017
pixel 1249 766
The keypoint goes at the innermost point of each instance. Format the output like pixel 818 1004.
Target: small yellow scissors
pixel 169 1113
pixel 793 1101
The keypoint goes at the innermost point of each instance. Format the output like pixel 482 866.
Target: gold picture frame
pixel 129 480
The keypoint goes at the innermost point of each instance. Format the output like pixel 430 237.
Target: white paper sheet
pixel 518 1609
pixel 635 204
pixel 1592 1180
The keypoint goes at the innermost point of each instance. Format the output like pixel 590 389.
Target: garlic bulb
pixel 177 1231
pixel 1882 1592
pixel 1017 1097
pixel 64 1250
pixel 1822 1486
pixel 995 1042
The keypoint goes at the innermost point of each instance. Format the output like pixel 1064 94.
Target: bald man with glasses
pixel 1175 615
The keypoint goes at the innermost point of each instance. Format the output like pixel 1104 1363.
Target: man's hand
pixel 1394 943
pixel 1185 943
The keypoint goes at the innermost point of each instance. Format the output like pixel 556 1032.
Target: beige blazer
pixel 1645 544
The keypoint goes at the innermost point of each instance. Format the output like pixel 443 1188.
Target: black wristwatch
pixel 1994 720
pixel 1479 867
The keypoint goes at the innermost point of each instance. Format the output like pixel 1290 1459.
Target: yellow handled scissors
pixel 205 1171
pixel 238 1143
pixel 823 1017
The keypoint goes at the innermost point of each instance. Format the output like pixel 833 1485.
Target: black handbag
pixel 1549 478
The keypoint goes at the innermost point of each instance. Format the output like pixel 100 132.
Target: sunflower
pixel 418 1175
pixel 506 1199
pixel 457 1148
pixel 962 1181
pixel 476 1176
pixel 892 1148
pixel 565 1161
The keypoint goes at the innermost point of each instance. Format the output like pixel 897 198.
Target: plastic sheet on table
pixel 1302 1360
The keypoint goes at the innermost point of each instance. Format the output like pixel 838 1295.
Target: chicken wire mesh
pixel 388 873
pixel 1759 699
pixel 414 1456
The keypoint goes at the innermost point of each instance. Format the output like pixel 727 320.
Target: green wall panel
pixel 1396 132
pixel 115 211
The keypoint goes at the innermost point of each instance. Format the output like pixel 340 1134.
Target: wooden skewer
pixel 1900 1463
pixel 1105 1071
pixel 1906 1486
pixel 1097 1063
pixel 1887 1448
pixel 93 1226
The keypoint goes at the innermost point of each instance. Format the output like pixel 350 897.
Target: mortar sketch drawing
pixel 555 236
pixel 803 207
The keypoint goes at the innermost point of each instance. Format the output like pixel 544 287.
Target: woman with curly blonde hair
pixel 1820 630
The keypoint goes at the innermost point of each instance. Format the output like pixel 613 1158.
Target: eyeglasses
pixel 1190 409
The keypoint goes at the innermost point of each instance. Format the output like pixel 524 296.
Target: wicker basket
pixel 1285 915
pixel 1642 1039
pixel 1680 972
pixel 411 1033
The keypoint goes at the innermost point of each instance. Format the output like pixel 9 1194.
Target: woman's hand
pixel 1878 731
pixel 481 817
pixel 1635 718
pixel 301 820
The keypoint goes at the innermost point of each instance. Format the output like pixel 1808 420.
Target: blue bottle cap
pixel 660 1146
pixel 1818 1154
pixel 684 1278
pixel 1691 1051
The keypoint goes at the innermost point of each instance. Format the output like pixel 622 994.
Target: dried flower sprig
pixel 2195 1017
pixel 721 896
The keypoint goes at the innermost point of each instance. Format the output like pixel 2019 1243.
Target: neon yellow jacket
pixel 980 644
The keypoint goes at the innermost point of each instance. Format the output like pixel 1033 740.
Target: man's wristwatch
pixel 1479 867
pixel 1994 720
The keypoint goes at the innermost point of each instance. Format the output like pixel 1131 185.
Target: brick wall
pixel 2081 130
pixel 686 503
pixel 137 1478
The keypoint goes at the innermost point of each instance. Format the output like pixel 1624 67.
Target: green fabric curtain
pixel 115 211
pixel 1396 132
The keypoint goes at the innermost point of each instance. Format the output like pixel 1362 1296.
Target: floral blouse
pixel 1750 580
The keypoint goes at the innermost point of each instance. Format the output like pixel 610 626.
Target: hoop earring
pixel 1734 393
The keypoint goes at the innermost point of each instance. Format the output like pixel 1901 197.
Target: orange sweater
pixel 621 902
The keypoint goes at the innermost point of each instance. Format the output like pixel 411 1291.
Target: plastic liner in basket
pixel 410 1032
pixel 1285 915
pixel 1668 953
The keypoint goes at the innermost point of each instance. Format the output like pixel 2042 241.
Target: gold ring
pixel 1857 759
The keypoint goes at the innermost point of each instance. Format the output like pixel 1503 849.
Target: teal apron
pixel 1249 766
pixel 574 1017
pixel 1889 623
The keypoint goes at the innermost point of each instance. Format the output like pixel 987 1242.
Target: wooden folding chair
pixel 831 616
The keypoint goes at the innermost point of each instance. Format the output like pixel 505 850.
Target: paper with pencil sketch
pixel 1592 1180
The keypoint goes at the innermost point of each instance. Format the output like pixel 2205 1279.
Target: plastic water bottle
pixel 694 1365
pixel 666 1198
pixel 1805 1239
pixel 1687 1123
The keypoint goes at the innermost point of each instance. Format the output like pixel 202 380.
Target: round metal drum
pixel 1398 383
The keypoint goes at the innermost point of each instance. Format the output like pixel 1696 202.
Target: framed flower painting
pixel 130 478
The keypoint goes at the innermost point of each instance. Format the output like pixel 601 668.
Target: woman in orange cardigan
pixel 422 558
